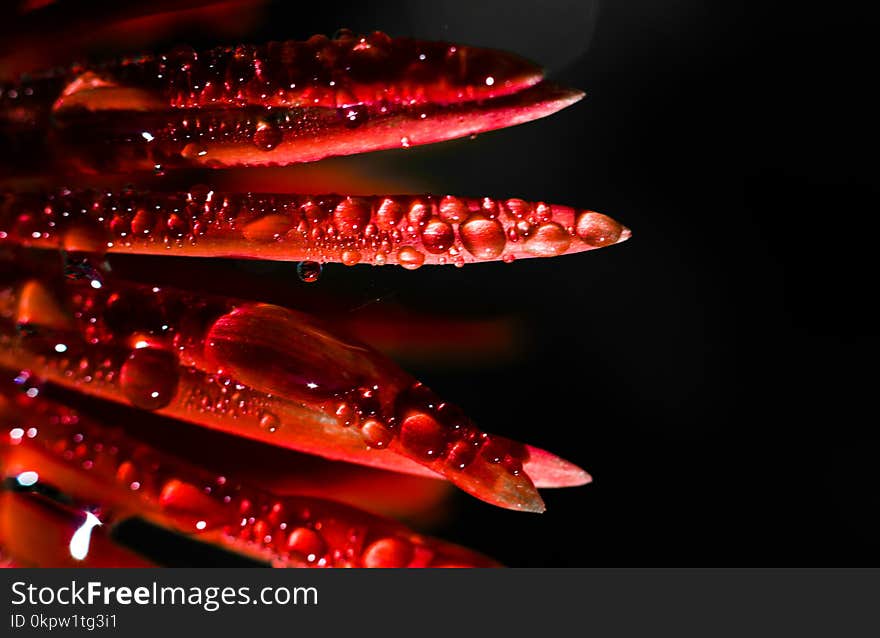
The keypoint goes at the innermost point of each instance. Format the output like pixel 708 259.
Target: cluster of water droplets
pixel 344 70
pixel 299 531
pixel 403 229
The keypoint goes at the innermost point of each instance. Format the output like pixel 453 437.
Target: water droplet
pixel 120 225
pixel 484 238
pixel 149 378
pixel 462 454
pixel 187 502
pixel 389 214
pixel 267 136
pixel 548 240
pixel 177 226
pixel 543 213
pixel 453 210
pixel 283 352
pixel 269 422
pixel 351 215
pixel 418 214
pixel 410 258
pixel 375 433
pixel 596 229
pixel 308 271
pixel 437 236
pixel 405 142
pixel 388 552
pixel 509 258
pixel 306 542
pixel 423 436
pixel 346 414
pixel 518 208
pixel 350 257
pixel 143 222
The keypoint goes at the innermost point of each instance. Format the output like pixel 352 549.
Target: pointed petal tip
pixel 549 471
pixel 556 98
pixel 534 505
pixel 574 95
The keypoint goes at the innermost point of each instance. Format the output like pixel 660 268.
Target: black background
pixel 715 373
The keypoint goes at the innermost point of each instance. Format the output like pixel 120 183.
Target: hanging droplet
pixel 308 271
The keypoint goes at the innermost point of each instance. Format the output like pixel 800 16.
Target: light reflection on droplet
pixel 27 478
pixel 60 347
pixel 79 542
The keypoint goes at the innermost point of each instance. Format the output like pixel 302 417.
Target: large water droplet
pixel 484 238
pixel 283 352
pixel 351 215
pixel 548 240
pixel 149 378
pixel 423 436
pixel 437 236
pixel 389 214
pixel 453 210
pixel 597 229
